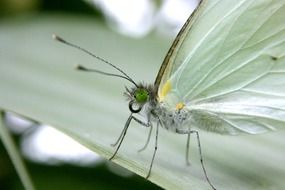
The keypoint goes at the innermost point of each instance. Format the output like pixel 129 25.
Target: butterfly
pixel 224 73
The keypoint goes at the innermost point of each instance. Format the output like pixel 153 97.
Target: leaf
pixel 38 80
pixel 9 144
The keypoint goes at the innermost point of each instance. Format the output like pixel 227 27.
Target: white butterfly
pixel 224 73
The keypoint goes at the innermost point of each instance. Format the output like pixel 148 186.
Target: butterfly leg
pixel 147 141
pixel 201 157
pixel 187 149
pixel 155 149
pixel 124 131
pixel 122 135
pixel 148 124
pixel 137 120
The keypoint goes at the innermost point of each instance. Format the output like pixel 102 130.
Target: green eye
pixel 141 95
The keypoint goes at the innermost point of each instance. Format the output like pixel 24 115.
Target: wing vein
pixel 225 120
pixel 221 62
pixel 213 68
pixel 265 21
pixel 227 92
pixel 250 82
pixel 261 93
pixel 216 112
pixel 181 68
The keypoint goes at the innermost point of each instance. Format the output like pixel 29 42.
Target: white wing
pixel 231 67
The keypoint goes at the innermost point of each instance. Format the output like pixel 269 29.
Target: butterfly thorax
pixel 143 100
pixel 176 119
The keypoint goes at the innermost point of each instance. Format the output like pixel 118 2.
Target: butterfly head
pixel 138 97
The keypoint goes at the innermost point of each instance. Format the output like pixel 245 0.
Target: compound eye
pixel 134 108
pixel 141 95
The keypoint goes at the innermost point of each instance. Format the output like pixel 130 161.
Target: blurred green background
pixel 61 176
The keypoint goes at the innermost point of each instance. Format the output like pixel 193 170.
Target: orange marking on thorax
pixel 180 106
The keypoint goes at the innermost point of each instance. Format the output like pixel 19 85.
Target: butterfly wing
pixel 229 68
pixel 166 67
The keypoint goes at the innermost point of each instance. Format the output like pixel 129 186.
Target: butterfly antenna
pixel 55 37
pixel 82 68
